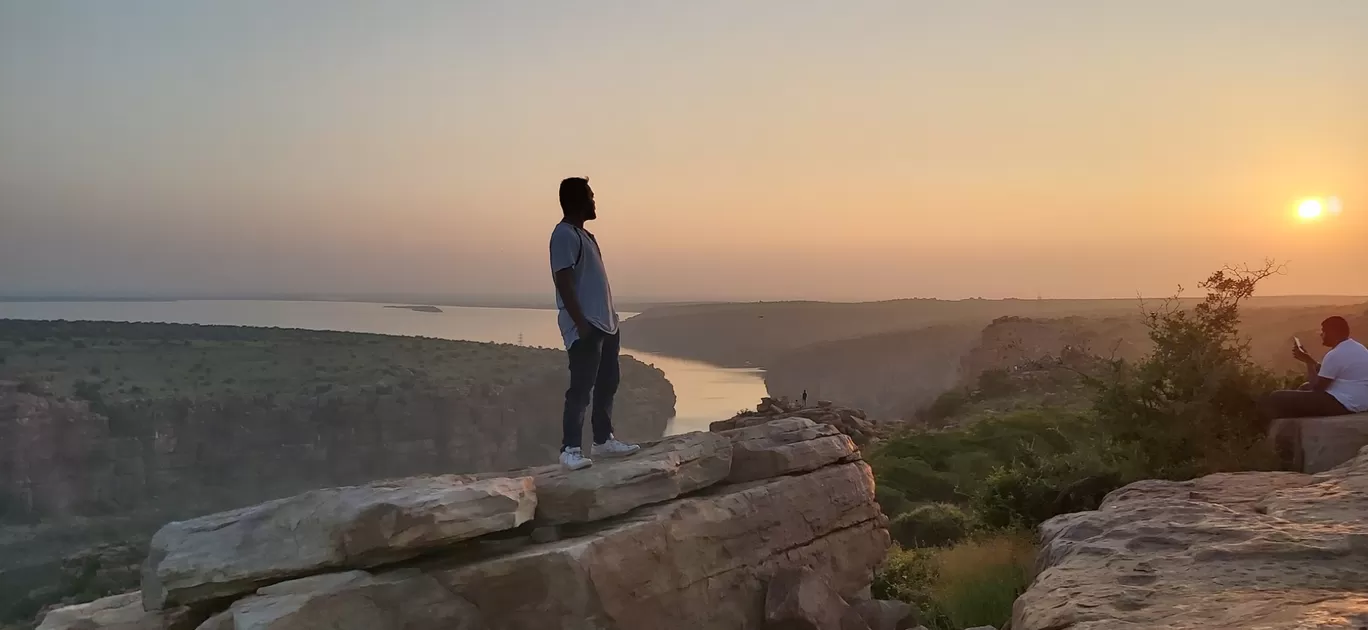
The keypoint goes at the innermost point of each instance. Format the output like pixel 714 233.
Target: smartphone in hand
pixel 1300 347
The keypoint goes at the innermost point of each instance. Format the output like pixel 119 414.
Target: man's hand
pixel 1301 355
pixel 565 286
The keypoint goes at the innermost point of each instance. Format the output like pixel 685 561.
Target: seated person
pixel 1335 387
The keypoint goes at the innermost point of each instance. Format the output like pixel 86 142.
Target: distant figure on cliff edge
pixel 1336 387
pixel 589 327
pixel 805 398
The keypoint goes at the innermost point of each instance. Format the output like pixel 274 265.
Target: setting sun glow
pixel 1310 209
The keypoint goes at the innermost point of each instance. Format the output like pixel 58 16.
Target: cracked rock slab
pixel 664 470
pixel 784 447
pixel 1268 550
pixel 693 564
pixel 119 612
pixel 233 553
pixel 353 600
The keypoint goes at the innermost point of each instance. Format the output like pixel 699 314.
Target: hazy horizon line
pixel 542 302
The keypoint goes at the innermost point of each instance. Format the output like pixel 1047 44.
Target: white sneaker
pixel 574 459
pixel 614 448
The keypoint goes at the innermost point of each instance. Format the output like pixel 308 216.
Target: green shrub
pixel 995 383
pixel 1191 406
pixel 950 466
pixel 930 525
pixel 1032 489
pixel 946 405
pixel 970 584
pixel 908 575
pixel 917 480
pixel 891 501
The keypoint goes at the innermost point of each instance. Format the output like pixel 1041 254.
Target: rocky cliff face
pixel 59 458
pixel 1269 550
pixel 1009 342
pixel 890 375
pixel 659 540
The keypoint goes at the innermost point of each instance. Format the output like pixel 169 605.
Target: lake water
pixel 704 393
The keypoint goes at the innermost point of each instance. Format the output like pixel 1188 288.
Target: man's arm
pixel 565 286
pixel 1321 375
pixel 1313 370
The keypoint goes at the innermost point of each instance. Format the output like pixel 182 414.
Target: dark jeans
pixel 1301 403
pixel 593 370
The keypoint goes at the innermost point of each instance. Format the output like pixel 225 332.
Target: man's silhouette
pixel 588 325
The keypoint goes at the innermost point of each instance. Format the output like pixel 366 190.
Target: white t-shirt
pixel 1347 363
pixel 568 245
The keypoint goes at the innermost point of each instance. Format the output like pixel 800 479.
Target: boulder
pixel 1315 445
pixel 782 447
pixel 119 612
pixel 1230 551
pixel 233 553
pixel 692 564
pixel 658 472
pixel 799 599
pixel 354 600
pixel 881 614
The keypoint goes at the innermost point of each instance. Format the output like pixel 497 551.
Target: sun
pixel 1311 209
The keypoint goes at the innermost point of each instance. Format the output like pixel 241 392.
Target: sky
pixel 768 149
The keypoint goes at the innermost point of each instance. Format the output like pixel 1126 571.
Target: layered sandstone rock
pixel 701 562
pixel 1269 550
pixel 231 553
pixel 782 447
pixel 354 600
pixel 882 614
pixel 659 472
pixel 120 612
pixel 698 559
pixel 799 599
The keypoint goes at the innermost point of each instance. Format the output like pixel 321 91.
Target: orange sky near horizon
pixel 760 150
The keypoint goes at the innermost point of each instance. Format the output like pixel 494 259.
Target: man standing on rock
pixel 1336 387
pixel 588 325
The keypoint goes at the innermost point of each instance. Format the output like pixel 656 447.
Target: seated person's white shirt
pixel 1347 364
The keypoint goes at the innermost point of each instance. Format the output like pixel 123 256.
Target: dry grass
pixel 978 580
pixel 973 583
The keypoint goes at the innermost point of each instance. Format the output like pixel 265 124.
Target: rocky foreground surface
pixel 1259 550
pixel 769 526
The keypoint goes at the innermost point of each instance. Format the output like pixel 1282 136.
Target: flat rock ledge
pixel 663 539
pixel 1266 550
pixel 232 553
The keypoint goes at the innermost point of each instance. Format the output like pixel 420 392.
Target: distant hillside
pixel 892 375
pixel 756 334
pixel 889 375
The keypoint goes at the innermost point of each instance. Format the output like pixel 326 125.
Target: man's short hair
pixel 1336 324
pixel 574 192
